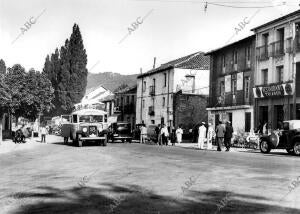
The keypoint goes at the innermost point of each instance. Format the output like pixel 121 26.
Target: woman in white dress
pixel 179 133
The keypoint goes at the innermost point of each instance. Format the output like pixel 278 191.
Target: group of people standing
pixel 163 137
pixel 223 134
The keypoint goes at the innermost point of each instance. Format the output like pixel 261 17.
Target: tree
pixel 2 67
pixel 5 99
pixel 121 87
pixel 67 72
pixel 31 92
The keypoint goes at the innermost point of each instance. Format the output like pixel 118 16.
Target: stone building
pixel 231 80
pixel 277 76
pixel 157 87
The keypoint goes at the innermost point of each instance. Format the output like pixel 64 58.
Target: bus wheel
pixel 65 140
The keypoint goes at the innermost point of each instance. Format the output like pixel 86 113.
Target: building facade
pixel 277 76
pixel 125 105
pixel 231 80
pixel 156 88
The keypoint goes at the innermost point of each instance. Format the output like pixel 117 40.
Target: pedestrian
pixel 173 137
pixel 157 132
pixel 164 134
pixel 202 135
pixel 195 133
pixel 143 133
pixel 265 128
pixel 210 135
pixel 179 133
pixel 43 134
pixel 220 131
pixel 228 136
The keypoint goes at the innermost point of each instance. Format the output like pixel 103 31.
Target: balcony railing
pixel 152 90
pixel 229 99
pixel 151 111
pixel 263 52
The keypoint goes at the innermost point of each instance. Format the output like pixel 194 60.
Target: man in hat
pixel 220 131
pixel 228 135
pixel 202 135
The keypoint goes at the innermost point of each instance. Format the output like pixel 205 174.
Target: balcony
pixel 228 100
pixel 262 52
pixel 151 111
pixel 297 43
pixel 152 90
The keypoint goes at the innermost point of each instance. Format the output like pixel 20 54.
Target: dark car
pixel 288 138
pixel 120 131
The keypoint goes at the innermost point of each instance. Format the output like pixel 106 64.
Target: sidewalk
pixel 214 148
pixel 8 145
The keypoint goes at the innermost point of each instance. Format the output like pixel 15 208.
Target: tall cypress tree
pixel 67 71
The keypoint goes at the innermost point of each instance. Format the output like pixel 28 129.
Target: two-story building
pixel 277 76
pixel 156 90
pixel 125 105
pixel 231 80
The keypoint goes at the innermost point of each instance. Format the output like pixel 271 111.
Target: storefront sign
pixel 279 90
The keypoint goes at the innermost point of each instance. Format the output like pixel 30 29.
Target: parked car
pixel 288 138
pixel 120 131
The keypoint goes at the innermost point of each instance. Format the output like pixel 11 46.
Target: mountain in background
pixel 110 80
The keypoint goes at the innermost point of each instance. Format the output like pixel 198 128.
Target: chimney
pixel 154 62
pixel 141 70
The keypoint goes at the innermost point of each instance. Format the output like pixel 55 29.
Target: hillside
pixel 110 80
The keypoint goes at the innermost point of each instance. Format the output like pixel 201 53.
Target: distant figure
pixel 220 132
pixel 157 132
pixel 173 137
pixel 179 133
pixel 265 128
pixel 210 135
pixel 143 133
pixel 228 135
pixel 43 134
pixel 202 135
pixel 164 134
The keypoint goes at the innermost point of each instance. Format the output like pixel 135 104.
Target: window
pixel 222 88
pixel 117 104
pixel 265 39
pixel 165 79
pixel 233 86
pixel 127 98
pixel 164 102
pixel 247 87
pixel 132 99
pixel 248 53
pixel 144 86
pixel 264 76
pixel 143 103
pixel 234 57
pixel 223 64
pixel 122 101
pixel 279 71
pixel 152 121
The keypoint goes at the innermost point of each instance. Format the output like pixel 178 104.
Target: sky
pixel 165 29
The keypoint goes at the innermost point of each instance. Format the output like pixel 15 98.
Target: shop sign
pixel 273 90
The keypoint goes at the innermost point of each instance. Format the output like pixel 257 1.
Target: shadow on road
pixel 110 198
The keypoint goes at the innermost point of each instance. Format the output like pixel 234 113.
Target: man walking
pixel 202 135
pixel 157 132
pixel 228 136
pixel 143 133
pixel 164 134
pixel 220 131
pixel 43 134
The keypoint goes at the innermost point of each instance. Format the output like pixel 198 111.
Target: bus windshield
pixel 91 119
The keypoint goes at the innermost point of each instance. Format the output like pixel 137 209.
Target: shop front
pixel 273 104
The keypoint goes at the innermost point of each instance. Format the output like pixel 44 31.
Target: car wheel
pixel 265 146
pixel 79 140
pixel 297 148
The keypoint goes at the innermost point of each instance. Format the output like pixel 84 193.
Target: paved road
pixel 135 178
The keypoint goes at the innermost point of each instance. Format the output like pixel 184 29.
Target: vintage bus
pixel 85 125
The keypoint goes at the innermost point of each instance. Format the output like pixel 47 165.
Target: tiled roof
pixel 108 98
pixel 127 89
pixel 196 61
